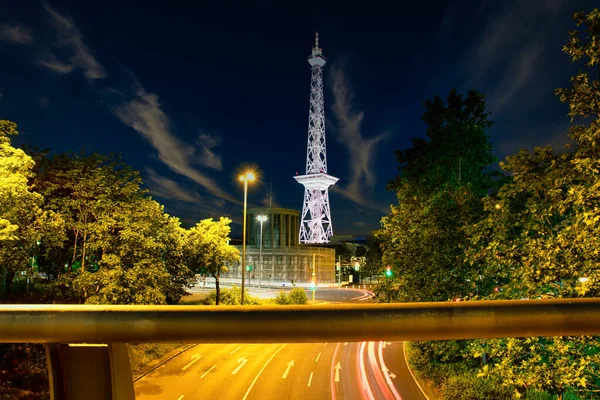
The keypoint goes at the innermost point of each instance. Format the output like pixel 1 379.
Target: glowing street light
pixel 246 177
pixel 261 219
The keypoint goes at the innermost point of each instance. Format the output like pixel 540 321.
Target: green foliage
pixel 469 387
pixel 533 394
pixel 282 298
pixel 143 356
pixel 439 189
pixel 206 246
pixel 230 297
pixel 23 374
pixel 373 264
pixel 115 245
pixel 298 296
pixel 21 219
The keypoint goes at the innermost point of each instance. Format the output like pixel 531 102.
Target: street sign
pixel 248 267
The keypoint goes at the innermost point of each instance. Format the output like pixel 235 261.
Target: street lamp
pixel 246 177
pixel 261 219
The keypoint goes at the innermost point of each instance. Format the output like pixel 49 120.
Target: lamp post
pixel 261 219
pixel 246 177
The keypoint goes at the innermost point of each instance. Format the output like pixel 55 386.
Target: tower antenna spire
pixel 315 222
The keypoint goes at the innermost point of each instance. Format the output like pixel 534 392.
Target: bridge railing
pixel 87 357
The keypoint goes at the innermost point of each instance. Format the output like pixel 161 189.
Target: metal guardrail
pixel 101 370
pixel 252 324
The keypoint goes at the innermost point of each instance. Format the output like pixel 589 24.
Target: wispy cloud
pixel 166 188
pixel 361 150
pixel 15 34
pixel 69 37
pixel 518 74
pixel 510 49
pixel 143 113
pixel 208 157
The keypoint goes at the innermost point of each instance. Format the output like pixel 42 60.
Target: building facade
pixel 284 260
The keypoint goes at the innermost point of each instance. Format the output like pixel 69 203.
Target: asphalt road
pixel 328 294
pixel 359 370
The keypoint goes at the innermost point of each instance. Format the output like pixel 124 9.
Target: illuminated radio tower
pixel 315 226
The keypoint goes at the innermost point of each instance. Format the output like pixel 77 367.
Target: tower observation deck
pixel 315 221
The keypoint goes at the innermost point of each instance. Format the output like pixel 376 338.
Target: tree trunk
pixel 10 275
pixel 74 252
pixel 83 256
pixel 218 289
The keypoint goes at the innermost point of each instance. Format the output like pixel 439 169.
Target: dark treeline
pixel 461 232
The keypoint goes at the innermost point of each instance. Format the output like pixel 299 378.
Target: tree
pixel 541 237
pixel 117 246
pixel 20 214
pixel 373 264
pixel 206 247
pixel 439 188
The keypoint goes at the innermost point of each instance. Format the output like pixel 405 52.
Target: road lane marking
pixel 195 358
pixel 239 347
pixel 204 374
pixel 362 372
pixel 180 397
pixel 332 383
pixel 287 370
pixel 386 372
pixel 380 379
pixel 345 343
pixel 242 361
pixel 337 372
pixel 319 356
pixel 260 372
pixel 310 379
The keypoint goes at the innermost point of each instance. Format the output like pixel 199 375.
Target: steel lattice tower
pixel 315 224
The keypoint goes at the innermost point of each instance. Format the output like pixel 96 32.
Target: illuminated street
pixel 290 370
pixel 277 371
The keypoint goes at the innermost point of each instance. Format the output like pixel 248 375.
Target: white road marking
pixel 403 344
pixel 180 397
pixel 386 372
pixel 195 358
pixel 337 372
pixel 260 372
pixel 287 370
pixel 319 356
pixel 310 379
pixel 204 374
pixel 239 347
pixel 345 343
pixel 242 361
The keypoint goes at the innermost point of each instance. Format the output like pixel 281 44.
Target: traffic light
pixel 313 284
pixel 249 268
pixel 388 271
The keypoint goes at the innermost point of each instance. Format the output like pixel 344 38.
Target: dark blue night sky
pixel 188 92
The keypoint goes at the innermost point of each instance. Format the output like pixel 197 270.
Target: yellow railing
pixel 63 326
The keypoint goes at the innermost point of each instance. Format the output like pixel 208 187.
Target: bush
pixel 230 297
pixel 533 394
pixel 144 355
pixel 282 298
pixel 470 387
pixel 298 296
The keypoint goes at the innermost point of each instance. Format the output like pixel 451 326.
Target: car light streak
pixel 337 347
pixel 379 380
pixel 366 391
pixel 387 374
